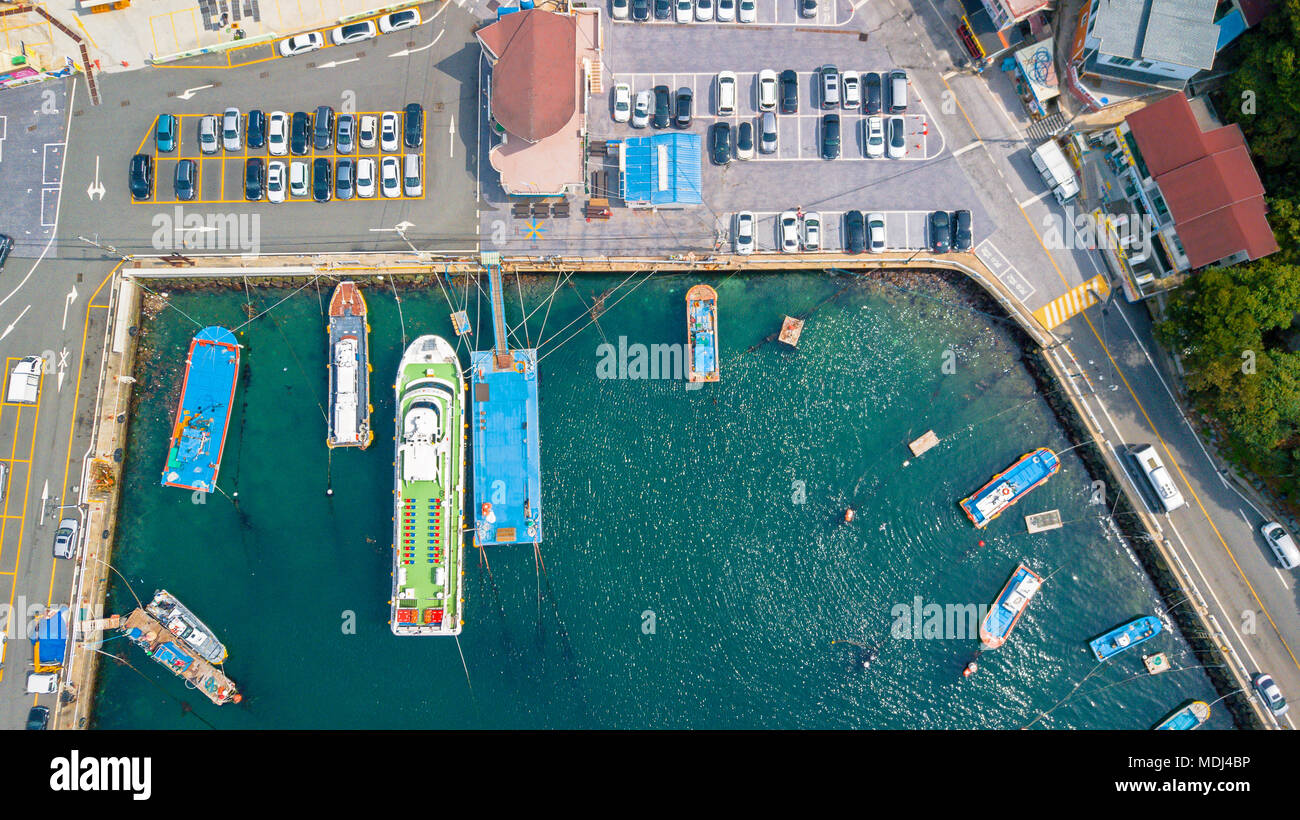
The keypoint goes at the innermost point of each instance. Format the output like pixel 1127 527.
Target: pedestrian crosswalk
pixel 1074 302
pixel 1049 126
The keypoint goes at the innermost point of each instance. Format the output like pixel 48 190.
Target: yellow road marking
pixel 1074 301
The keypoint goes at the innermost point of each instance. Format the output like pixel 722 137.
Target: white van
pixel 42 684
pixel 726 93
pixel 1157 476
pixel 25 381
pixel 1280 541
pixel 411 175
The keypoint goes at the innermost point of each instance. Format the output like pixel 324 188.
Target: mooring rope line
pixel 282 301
pixel 167 302
pixel 574 335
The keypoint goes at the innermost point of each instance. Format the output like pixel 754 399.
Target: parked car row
pixel 353 32
pixel 281 133
pixel 949 231
pixel 700 11
pixel 322 180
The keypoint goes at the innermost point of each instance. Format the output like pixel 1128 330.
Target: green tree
pixel 1263 96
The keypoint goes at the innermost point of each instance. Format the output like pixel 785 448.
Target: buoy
pixel 329 491
pixel 238 698
pixel 971 669
pixel 981 542
pixel 849 515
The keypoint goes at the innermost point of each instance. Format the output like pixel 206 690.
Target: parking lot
pixel 221 175
pixel 371 76
pixel 766 13
pixel 798 135
pixel 31 163
pixel 904 230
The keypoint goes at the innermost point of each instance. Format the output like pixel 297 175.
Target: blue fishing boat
pixel 1009 606
pixel 203 416
pixel 702 334
pixel 1125 636
pixel 1010 485
pixel 1191 715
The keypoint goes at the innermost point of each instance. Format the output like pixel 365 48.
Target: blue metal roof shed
pixel 662 170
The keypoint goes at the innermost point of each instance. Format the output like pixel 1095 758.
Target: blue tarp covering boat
pixel 1010 485
pixel 203 416
pixel 1009 606
pixel 1190 715
pixel 1125 636
pixel 702 334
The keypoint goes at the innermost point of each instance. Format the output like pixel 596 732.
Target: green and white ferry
pixel 429 477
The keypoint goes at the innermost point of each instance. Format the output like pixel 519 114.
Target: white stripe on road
pixel 1035 198
pixel 970 146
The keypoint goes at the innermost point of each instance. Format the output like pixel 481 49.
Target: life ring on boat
pixel 520 367
pixel 1006 491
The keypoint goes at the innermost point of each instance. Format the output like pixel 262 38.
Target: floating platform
pixel 159 643
pixel 1044 521
pixel 203 415
pixel 924 443
pixel 791 329
pixel 1157 663
pixel 507 451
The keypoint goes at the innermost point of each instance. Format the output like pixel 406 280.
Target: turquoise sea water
pixel 696 568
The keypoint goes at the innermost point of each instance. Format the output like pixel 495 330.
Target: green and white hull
pixel 429 494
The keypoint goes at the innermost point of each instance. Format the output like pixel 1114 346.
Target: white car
pixel 366 177
pixel 277 133
pixel 411 184
pixel 299 179
pixel 232 130
pixel 767 90
pixel 876 232
pixel 704 10
pixel 622 102
pixel 726 11
pixel 301 44
pixel 748 11
pixel 812 231
pixel 787 232
pixel 368 131
pixel 641 111
pixel 275 181
pixel 390 177
pixel 352 32
pixel 388 131
pixel 875 136
pixel 743 236
pixel 621 9
pixel 1283 546
pixel 684 11
pixel 727 85
pixel 896 139
pixel 208 140
pixel 852 96
pixel 398 20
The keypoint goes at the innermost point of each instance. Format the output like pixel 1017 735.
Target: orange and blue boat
pixel 1191 715
pixel 702 334
pixel 1009 486
pixel 1007 608
pixel 203 416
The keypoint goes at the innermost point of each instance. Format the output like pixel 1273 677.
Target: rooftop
pixel 1181 32
pixel 1207 179
pixel 534 74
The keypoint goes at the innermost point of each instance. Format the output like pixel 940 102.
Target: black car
pixel 640 9
pixel 871 93
pixel 663 9
pixel 830 136
pixel 256 132
pixel 413 125
pixel 38 718
pixel 324 132
pixel 6 245
pixel 961 236
pixel 855 232
pixel 661 107
pixel 720 143
pixel 299 131
pixel 745 140
pixel 789 92
pixel 141 176
pixel 940 232
pixel 320 180
pixel 254 176
pixel 345 179
pixel 187 171
pixel 684 99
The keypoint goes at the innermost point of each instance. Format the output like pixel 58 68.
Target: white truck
pixel 1056 171
pixel 25 381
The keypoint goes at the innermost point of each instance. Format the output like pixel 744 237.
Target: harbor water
pixel 697 571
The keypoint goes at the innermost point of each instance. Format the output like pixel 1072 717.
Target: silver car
pixel 65 538
pixel 232 130
pixel 208 140
pixel 767 133
pixel 641 109
pixel 744 236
